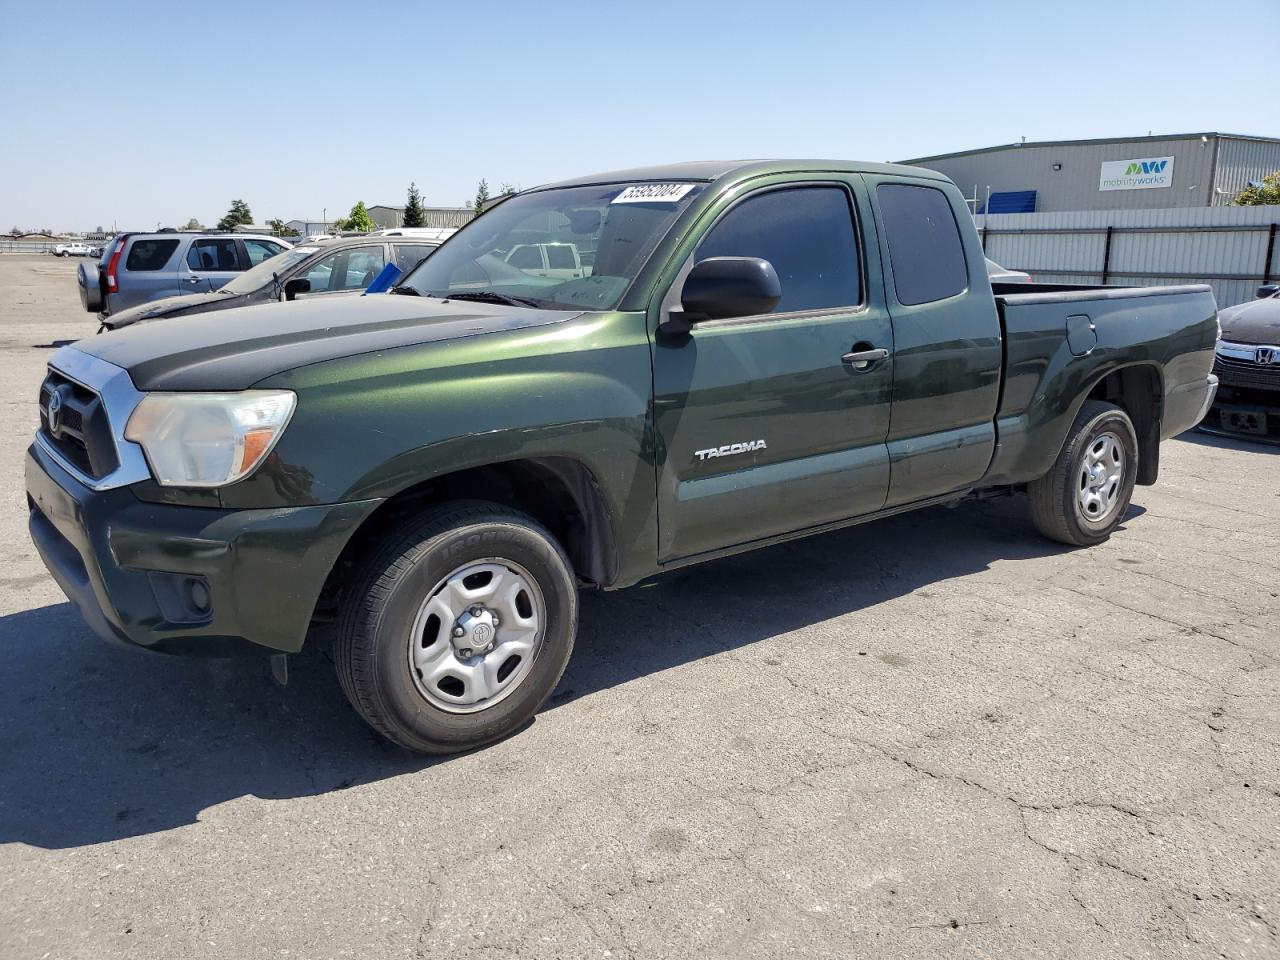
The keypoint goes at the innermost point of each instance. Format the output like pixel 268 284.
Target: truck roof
pixel 708 171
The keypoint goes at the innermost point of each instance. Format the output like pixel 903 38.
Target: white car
pixel 76 249
pixel 560 261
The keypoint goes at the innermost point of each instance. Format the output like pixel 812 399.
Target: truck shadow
pixel 99 743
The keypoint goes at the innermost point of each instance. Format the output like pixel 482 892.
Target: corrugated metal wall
pixel 1222 246
pixel 1240 161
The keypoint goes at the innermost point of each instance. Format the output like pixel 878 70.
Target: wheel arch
pixel 561 493
pixel 1138 389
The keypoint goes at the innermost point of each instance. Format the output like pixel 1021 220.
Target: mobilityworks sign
pixel 1136 174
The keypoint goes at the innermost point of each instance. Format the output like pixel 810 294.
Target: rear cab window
pixel 926 252
pixel 807 233
pixel 146 254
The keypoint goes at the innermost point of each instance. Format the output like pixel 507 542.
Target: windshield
pixel 255 278
pixel 575 248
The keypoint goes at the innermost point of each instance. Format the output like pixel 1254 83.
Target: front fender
pixel 372 426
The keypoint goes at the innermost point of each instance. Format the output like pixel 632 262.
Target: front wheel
pixel 1086 494
pixel 458 629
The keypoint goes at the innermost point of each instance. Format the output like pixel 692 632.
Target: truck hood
pixel 195 302
pixel 234 349
pixel 1257 321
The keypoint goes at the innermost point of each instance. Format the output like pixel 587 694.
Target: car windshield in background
pixel 255 278
pixel 574 248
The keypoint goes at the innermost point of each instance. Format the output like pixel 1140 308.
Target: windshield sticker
pixel 654 193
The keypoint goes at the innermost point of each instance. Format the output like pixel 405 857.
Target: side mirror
pixel 721 287
pixel 296 286
pixel 1267 290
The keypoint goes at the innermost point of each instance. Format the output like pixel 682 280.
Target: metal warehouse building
pixel 1181 170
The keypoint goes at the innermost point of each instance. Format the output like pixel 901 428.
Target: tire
pixel 1081 508
pixel 397 653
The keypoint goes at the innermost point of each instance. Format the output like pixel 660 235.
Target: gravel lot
pixel 934 736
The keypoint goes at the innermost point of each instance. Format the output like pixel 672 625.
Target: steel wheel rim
pixel 1100 478
pixel 476 635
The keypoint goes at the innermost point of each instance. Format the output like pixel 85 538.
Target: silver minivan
pixel 139 267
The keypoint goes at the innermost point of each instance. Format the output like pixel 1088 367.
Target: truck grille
pixel 74 423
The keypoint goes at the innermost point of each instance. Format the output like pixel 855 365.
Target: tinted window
pixel 806 233
pixel 924 243
pixel 409 255
pixel 219 254
pixel 560 257
pixel 526 258
pixel 150 254
pixel 259 250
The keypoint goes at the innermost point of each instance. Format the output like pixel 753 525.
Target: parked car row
pixel 144 276
pixel 318 269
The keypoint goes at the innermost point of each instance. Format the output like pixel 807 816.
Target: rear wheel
pixel 458 629
pixel 1086 494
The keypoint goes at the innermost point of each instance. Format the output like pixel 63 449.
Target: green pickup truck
pixel 750 352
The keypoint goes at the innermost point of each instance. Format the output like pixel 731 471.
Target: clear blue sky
pixel 138 113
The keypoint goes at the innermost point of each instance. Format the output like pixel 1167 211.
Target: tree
pixel 482 196
pixel 357 219
pixel 413 215
pixel 508 189
pixel 238 214
pixel 15 232
pixel 192 224
pixel 280 229
pixel 1267 191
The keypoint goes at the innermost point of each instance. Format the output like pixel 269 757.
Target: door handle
pixel 194 279
pixel 863 359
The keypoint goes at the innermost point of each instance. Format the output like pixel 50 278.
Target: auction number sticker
pixel 654 193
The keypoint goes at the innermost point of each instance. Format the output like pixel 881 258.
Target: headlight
pixel 208 439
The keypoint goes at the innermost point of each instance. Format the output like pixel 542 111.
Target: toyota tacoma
pixel 753 352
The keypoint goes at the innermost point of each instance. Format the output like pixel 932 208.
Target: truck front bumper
pixel 185 579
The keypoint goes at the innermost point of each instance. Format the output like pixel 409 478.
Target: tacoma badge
pixel 729 449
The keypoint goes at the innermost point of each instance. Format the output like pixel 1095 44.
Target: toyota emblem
pixel 54 411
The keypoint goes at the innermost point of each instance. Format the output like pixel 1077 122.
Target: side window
pixel 213 254
pixel 528 257
pixel 925 250
pixel 560 257
pixel 363 264
pixel 409 255
pixel 321 272
pixel 149 254
pixel 259 250
pixel 806 233
pixel 346 270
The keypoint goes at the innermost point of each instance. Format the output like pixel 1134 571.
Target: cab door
pixel 764 425
pixel 949 350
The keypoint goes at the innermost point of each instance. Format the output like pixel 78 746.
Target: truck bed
pixel 1061 338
